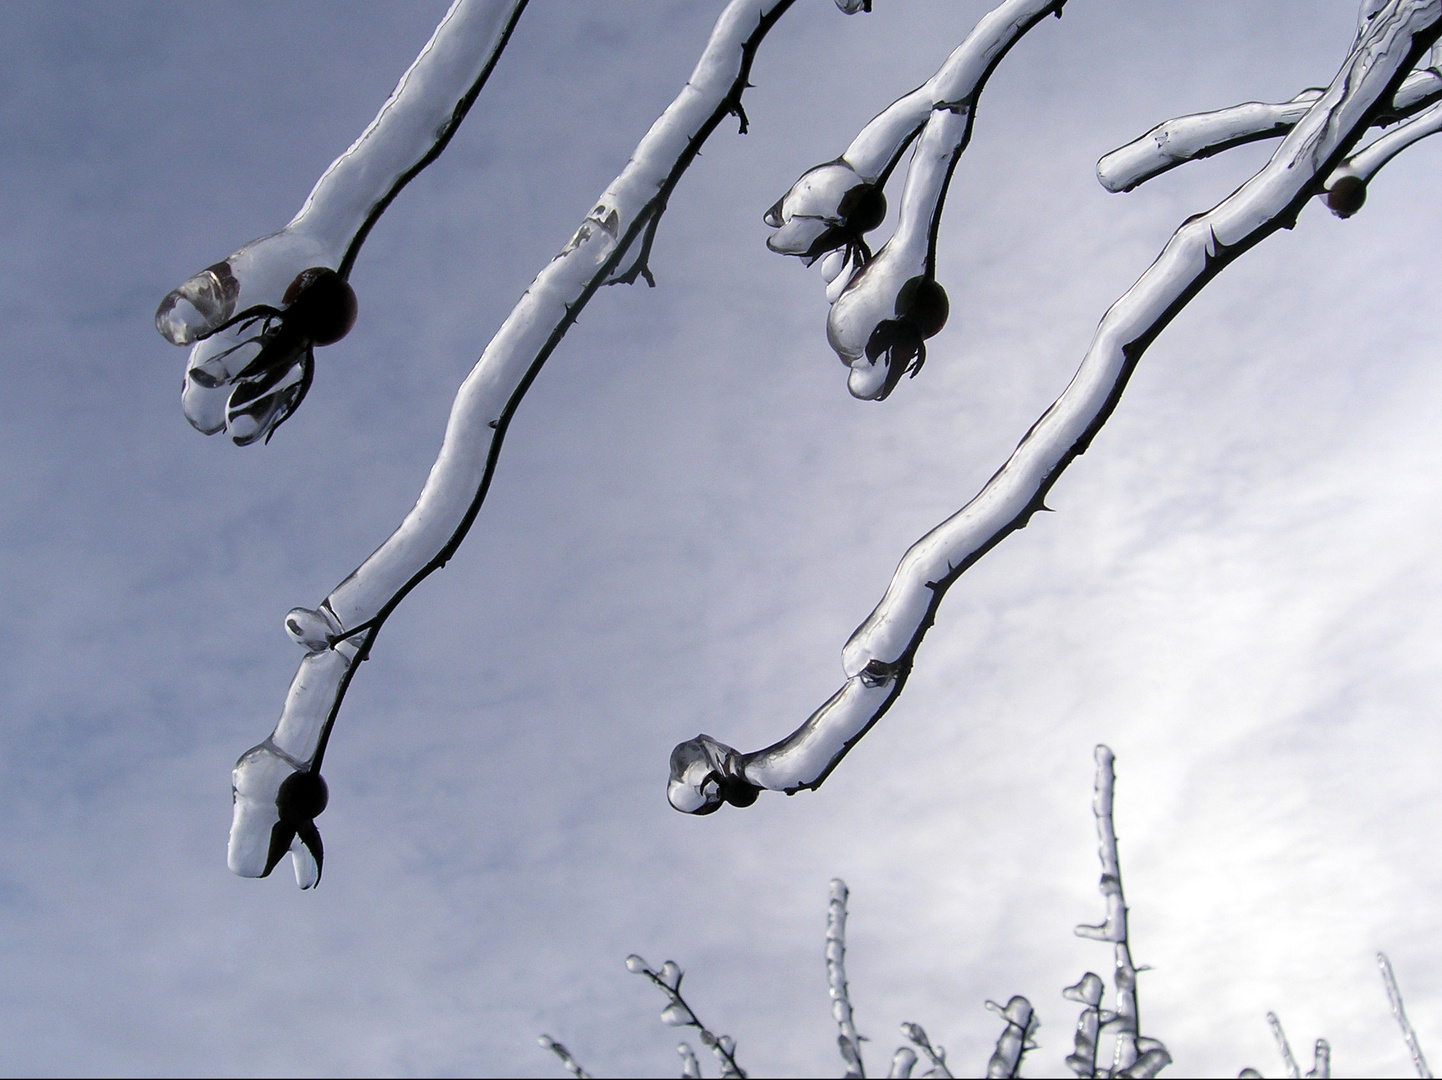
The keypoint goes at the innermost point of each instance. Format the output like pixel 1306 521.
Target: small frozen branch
pixel 1088 991
pixel 878 658
pixel 884 308
pixel 935 1055
pixel 847 1040
pixel 1347 186
pixel 234 310
pixel 1394 998
pixel 1201 135
pixel 548 1043
pixel 1015 1039
pixel 902 1062
pixel 679 1014
pixel 338 634
pixel 1284 1048
pixel 690 1067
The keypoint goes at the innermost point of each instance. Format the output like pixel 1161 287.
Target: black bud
pixel 302 797
pixel 923 303
pixel 321 305
pixel 739 792
pixel 862 208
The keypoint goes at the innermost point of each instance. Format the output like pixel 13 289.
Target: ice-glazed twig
pixel 936 1055
pixel 1088 992
pixel 902 1062
pixel 1321 1060
pixel 1015 1039
pixel 878 658
pixel 884 308
pixel 1201 135
pixel 572 1067
pixel 690 1067
pixel 1284 1048
pixel 679 1014
pixel 232 309
pixel 1394 998
pixel 847 1040
pixel 338 634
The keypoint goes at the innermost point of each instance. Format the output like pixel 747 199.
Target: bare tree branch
pixel 338 634
pixel 679 1014
pixel 878 658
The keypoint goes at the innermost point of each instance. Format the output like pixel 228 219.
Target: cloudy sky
pixel 1238 592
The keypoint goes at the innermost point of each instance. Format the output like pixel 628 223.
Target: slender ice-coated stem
pixel 847 1039
pixel 572 1066
pixel 1368 161
pixel 1284 1048
pixel 339 633
pixel 1394 998
pixel 878 658
pixel 1201 135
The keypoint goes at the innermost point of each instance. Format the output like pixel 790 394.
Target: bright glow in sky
pixel 1238 592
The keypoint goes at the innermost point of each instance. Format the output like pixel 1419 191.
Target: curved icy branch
pixel 1368 161
pixel 338 634
pixel 884 308
pixel 1201 135
pixel 878 658
pixel 217 309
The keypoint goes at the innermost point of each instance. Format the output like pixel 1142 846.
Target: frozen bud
pixel 851 7
pixel 198 307
pixel 1346 195
pixel 670 974
pixel 636 966
pixel 902 1062
pixel 1088 991
pixel 677 1015
pixel 314 630
pixel 302 797
pixel 833 263
pixel 259 405
pixel 831 206
pixel 546 1042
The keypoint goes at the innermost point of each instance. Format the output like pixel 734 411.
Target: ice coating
pixel 679 1014
pixel 339 631
pixel 1015 1039
pixel 878 657
pixel 411 129
pixel 847 1040
pixel 832 207
pixel 1200 135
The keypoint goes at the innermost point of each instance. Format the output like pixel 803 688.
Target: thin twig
pixel 548 1043
pixel 1394 998
pixel 847 1040
pixel 678 1013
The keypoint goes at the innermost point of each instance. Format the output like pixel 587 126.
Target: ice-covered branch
pixel 847 1040
pixel 1394 998
pixel 252 358
pixel 878 658
pixel 1201 135
pixel 572 1067
pixel 338 634
pixel 679 1014
pixel 935 1055
pixel 1284 1048
pixel 1015 1039
pixel 885 308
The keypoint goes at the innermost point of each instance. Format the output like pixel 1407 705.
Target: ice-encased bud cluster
pixel 851 7
pixel 247 378
pixel 704 774
pixel 276 804
pixel 830 207
pixel 881 320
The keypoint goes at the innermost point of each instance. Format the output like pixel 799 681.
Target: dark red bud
pixel 302 797
pixel 1346 196
pixel 922 302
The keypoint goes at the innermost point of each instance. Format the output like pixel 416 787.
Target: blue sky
pixel 1238 592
